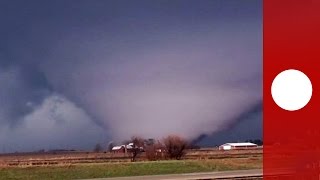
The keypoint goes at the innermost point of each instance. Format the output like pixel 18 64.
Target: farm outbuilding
pixel 230 146
pixel 121 149
pixel 118 149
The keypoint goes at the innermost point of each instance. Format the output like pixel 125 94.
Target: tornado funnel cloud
pixel 74 74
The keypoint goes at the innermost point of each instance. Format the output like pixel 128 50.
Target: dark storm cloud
pixel 237 129
pixel 17 94
pixel 111 65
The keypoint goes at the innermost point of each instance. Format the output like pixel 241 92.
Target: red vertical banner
pixel 291 40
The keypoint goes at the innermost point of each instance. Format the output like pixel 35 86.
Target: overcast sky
pixel 78 72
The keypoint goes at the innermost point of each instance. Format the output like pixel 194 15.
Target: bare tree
pixel 97 148
pixel 137 147
pixel 110 146
pixel 151 153
pixel 175 146
pixel 154 151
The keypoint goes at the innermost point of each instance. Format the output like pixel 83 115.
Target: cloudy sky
pixel 74 73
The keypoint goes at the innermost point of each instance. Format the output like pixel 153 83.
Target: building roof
pixel 122 146
pixel 116 148
pixel 239 144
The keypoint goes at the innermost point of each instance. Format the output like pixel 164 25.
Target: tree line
pixel 170 147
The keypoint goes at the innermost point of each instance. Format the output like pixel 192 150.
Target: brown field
pixel 87 165
pixel 71 158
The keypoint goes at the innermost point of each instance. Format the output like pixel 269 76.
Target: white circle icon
pixel 291 90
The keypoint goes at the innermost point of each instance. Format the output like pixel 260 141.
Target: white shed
pixel 230 146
